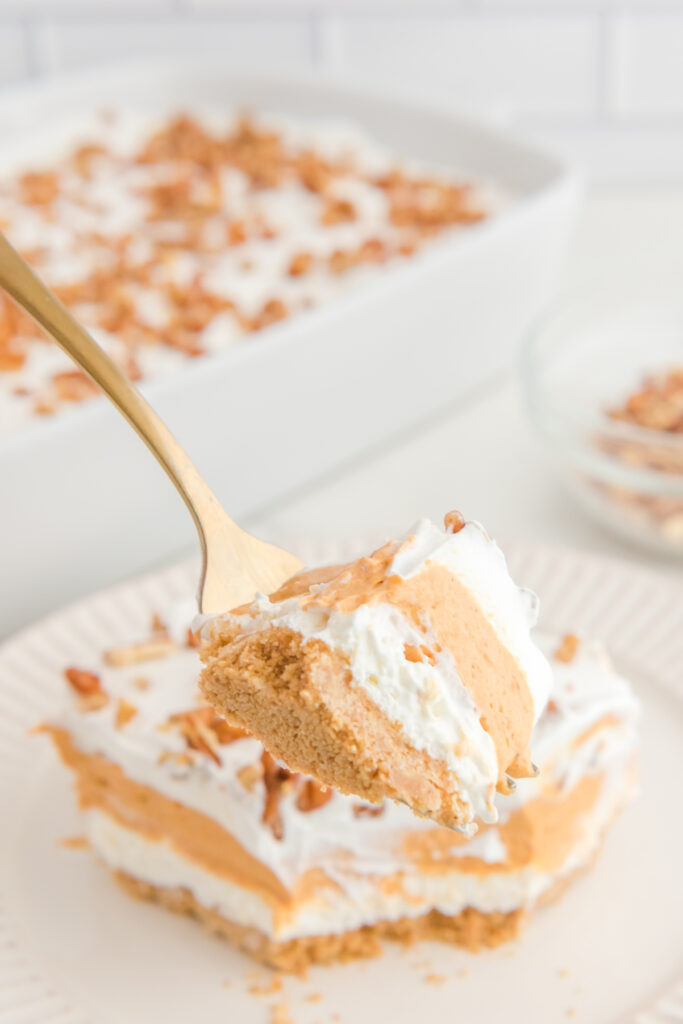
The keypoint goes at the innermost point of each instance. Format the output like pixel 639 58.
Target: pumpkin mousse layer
pixel 408 675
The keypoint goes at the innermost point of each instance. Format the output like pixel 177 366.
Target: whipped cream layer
pixel 588 730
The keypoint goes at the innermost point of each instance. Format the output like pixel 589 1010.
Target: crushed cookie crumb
pixel 75 843
pixel 279 1014
pixel 436 979
pixel 266 988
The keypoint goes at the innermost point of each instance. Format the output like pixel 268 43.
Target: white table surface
pixel 482 457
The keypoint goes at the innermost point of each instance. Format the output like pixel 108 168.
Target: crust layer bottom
pixel 471 929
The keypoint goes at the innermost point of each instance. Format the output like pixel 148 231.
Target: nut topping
pixel 125 711
pixel 274 776
pixel 313 795
pixel 134 653
pixel 84 683
pixel 454 521
pixel 568 648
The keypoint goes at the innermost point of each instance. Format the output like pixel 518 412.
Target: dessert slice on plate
pixel 409 674
pixel 201 819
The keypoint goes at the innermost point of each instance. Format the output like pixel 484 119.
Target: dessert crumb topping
pixel 313 795
pixel 125 711
pixel 266 988
pixel 274 777
pixel 368 810
pixel 279 1014
pixel 566 652
pixel 204 731
pixel 74 843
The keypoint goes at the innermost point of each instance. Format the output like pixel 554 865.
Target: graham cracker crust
pixel 471 929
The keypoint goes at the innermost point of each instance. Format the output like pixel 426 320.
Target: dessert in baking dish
pixel 196 815
pixel 171 238
pixel 408 675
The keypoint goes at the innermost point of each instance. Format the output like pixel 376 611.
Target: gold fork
pixel 235 565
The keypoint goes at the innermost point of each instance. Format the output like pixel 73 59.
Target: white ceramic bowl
pixel 586 358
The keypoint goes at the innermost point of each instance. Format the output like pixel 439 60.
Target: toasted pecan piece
pixel 84 683
pixel 567 648
pixel 274 776
pixel 146 651
pixel 125 711
pixel 368 810
pixel 313 795
pixel 300 264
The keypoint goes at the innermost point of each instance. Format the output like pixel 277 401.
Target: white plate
pixel 74 949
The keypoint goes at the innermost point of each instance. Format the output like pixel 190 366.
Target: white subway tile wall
pixel 600 79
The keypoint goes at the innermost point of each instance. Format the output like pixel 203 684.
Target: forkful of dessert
pixel 409 674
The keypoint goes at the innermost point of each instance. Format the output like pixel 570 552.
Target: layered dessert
pixel 407 675
pixel 648 439
pixel 173 237
pixel 198 816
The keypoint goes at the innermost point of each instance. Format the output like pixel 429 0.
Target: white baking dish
pixel 83 504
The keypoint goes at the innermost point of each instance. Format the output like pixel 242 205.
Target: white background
pixel 602 79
